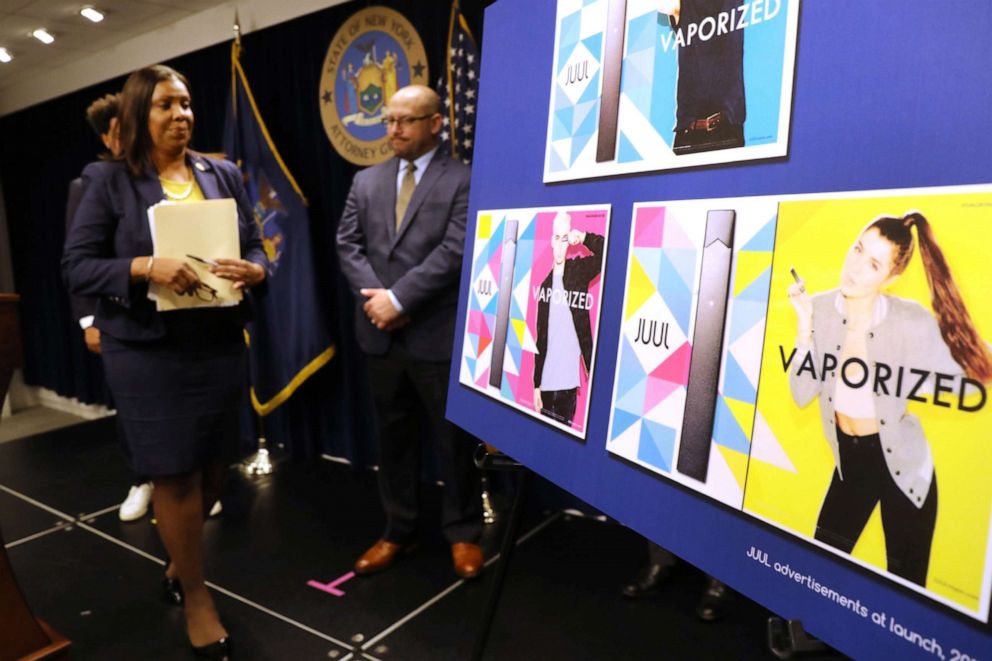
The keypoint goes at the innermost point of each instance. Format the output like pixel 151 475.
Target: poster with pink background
pixel 533 310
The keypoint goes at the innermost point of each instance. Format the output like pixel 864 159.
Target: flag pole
pixel 259 463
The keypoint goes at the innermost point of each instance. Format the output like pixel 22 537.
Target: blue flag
pixel 288 338
pixel 458 88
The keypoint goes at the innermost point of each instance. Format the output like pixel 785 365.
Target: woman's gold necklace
pixel 177 197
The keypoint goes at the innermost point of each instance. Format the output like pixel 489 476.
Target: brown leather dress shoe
pixel 380 556
pixel 467 559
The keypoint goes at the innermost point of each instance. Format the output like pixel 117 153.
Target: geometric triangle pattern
pixel 681 262
pixel 662 282
pixel 746 315
pixel 640 287
pixel 629 373
pixel 673 288
pixel 735 381
pixel 676 235
pixel 622 421
pixel 657 390
pixel 628 152
pixel 657 445
pixel 648 81
pixel 675 368
pixel 758 289
pixel 575 119
pixel 727 430
pixel 750 266
pixel 633 400
pixel 648 259
pixel 763 240
pixel 737 463
pixel 649 228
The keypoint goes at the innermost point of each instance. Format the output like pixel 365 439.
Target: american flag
pixel 458 88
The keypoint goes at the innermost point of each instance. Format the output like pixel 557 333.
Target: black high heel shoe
pixel 219 650
pixel 172 589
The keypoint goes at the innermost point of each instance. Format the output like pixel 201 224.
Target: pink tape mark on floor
pixel 331 588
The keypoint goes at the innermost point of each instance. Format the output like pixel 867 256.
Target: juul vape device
pixel 508 256
pixel 707 345
pixel 609 102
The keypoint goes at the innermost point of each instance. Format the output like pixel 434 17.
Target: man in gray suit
pixel 400 244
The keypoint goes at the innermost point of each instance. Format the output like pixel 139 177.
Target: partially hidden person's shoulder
pixel 104 170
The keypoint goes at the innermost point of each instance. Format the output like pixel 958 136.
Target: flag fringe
pixel 265 408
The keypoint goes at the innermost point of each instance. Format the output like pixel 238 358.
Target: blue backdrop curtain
pixel 43 147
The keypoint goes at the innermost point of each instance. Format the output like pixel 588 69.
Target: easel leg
pixel 499 573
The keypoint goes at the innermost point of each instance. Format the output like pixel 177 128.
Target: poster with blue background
pixel 646 85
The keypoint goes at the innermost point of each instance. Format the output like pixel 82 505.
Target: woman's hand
pixel 240 271
pixel 803 306
pixel 174 274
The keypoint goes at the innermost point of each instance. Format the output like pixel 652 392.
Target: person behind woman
pixel 880 452
pixel 176 376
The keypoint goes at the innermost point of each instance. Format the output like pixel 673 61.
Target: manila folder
pixel 207 229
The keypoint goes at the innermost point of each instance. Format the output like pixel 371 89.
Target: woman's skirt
pixel 178 401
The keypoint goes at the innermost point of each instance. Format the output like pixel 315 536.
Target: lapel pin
pixel 200 166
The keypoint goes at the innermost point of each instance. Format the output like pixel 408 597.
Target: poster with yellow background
pixel 925 476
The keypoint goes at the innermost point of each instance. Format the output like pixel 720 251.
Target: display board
pixel 718 425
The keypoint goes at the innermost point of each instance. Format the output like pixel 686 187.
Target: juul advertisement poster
pixel 533 310
pixel 690 346
pixel 873 433
pixel 646 85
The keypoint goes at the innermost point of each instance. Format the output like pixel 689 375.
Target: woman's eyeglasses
pixel 205 292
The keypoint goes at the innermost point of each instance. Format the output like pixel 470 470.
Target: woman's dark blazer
pixel 110 228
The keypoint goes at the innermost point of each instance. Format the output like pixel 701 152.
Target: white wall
pixel 209 27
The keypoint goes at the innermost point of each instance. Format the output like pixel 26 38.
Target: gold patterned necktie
pixel 406 192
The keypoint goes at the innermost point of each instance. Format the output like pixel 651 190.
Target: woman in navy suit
pixel 177 376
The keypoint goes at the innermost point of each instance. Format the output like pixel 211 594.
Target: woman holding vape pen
pixel 177 377
pixel 880 452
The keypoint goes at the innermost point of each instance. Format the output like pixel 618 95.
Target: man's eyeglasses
pixel 403 122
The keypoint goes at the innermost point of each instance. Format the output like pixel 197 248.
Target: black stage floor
pixel 96 580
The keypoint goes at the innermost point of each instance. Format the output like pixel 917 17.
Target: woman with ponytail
pixel 880 452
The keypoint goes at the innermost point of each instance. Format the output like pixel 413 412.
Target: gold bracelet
pixel 148 269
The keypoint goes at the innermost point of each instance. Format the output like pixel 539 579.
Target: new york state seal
pixel 374 53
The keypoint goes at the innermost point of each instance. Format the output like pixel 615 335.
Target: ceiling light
pixel 42 35
pixel 5 56
pixel 91 13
